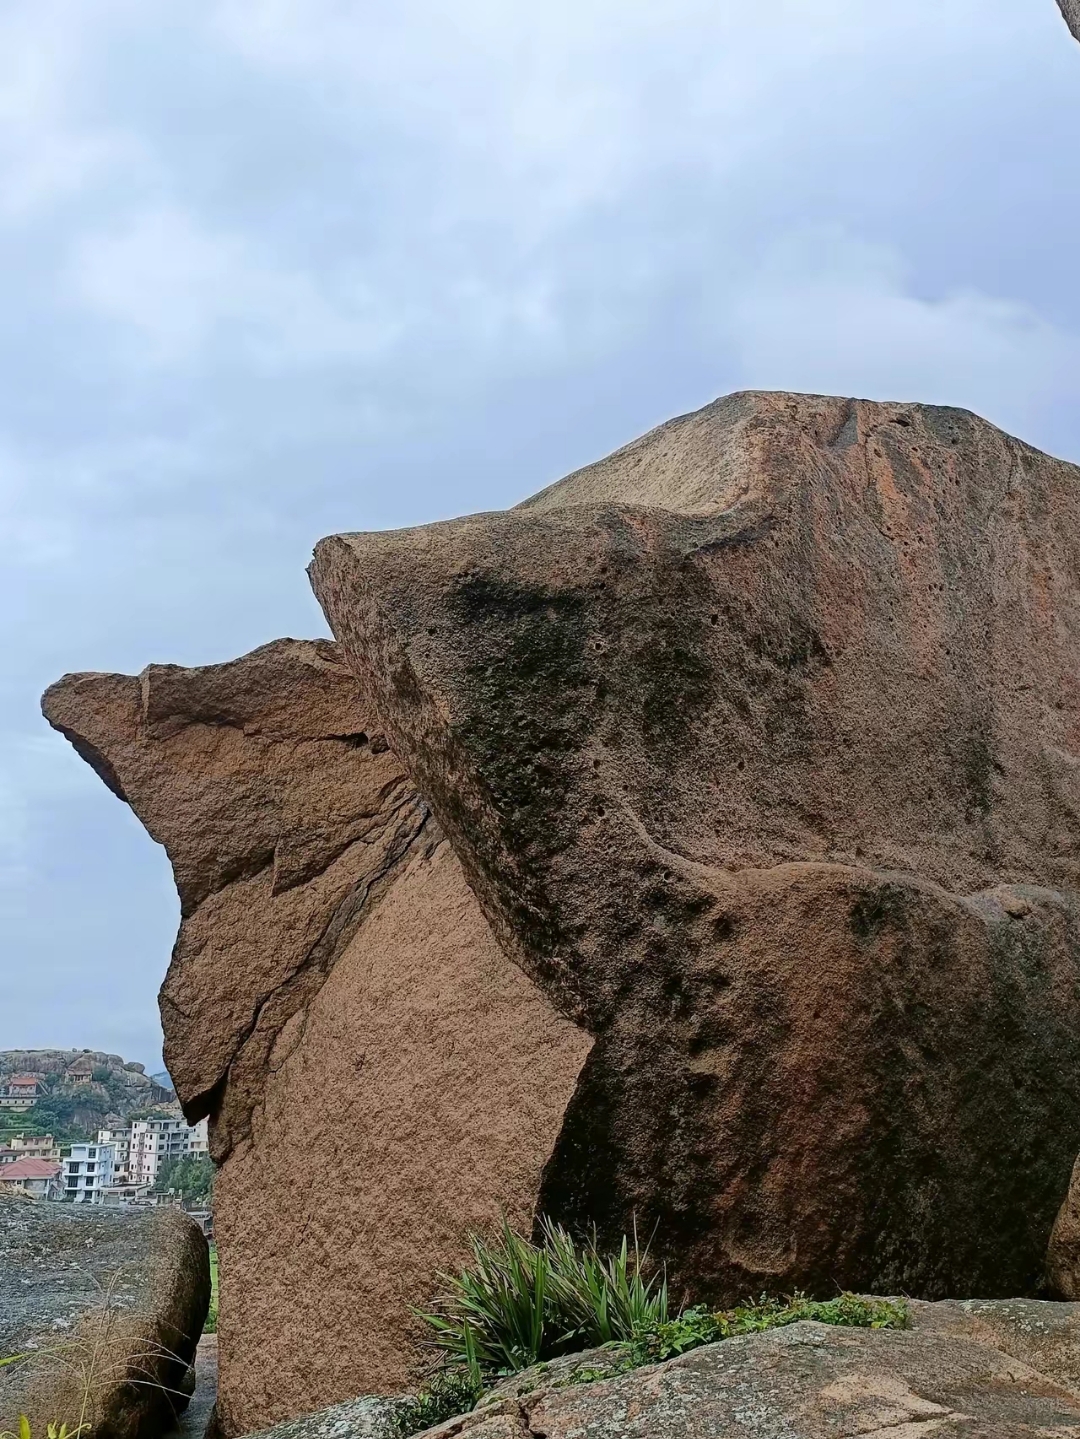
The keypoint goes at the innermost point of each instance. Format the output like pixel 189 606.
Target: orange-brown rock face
pixel 1063 1255
pixel 759 743
pixel 380 1078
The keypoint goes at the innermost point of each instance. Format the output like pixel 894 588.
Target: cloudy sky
pixel 275 268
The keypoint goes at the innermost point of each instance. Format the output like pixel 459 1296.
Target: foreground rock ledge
pixel 379 1077
pixel 759 742
pixel 810 1381
pixel 108 1307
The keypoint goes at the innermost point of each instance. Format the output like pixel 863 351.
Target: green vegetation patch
pixel 447 1395
pixel 694 1327
pixel 210 1327
pixel 521 1305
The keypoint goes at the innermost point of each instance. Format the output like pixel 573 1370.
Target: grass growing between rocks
pixel 520 1305
pixel 210 1327
pixel 697 1326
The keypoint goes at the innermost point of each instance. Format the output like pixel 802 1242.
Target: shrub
pixel 520 1303
pixel 210 1326
pixel 448 1394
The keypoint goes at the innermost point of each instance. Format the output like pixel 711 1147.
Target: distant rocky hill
pixel 81 1090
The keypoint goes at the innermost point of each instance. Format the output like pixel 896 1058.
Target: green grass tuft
pixel 521 1303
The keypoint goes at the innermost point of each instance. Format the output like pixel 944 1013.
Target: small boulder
pixel 103 1309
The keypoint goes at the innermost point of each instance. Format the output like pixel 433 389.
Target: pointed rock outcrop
pixel 379 1077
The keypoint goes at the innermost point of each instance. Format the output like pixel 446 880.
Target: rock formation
pixel 745 906
pixel 106 1095
pixel 810 1381
pixel 759 743
pixel 1071 10
pixel 379 1076
pixel 105 1309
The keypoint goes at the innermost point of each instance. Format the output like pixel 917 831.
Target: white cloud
pixel 185 292
pixel 36 770
pixel 536 111
pixel 181 287
pixel 49 152
pixel 31 533
pixel 827 311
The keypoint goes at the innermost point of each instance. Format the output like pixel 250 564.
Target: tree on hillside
pixel 192 1178
pixel 55 1114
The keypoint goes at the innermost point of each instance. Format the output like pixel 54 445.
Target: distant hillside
pixel 80 1091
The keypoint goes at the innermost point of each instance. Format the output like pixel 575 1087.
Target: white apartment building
pixel 200 1138
pixel 119 1140
pixel 146 1144
pixel 87 1172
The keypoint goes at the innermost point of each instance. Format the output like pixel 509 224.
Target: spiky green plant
pixel 603 1299
pixel 52 1430
pixel 519 1303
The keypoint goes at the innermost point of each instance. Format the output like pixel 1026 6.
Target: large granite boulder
pixel 1071 11
pixel 100 1312
pixel 380 1077
pixel 759 743
pixel 699 850
pixel 809 1381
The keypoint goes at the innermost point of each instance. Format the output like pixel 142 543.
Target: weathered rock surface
pixel 106 1306
pixel 365 1418
pixel 759 742
pixel 1041 1334
pixel 1063 1255
pixel 809 1381
pixel 380 1078
pixel 1071 11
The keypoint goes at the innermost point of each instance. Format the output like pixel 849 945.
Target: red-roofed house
pixel 40 1177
